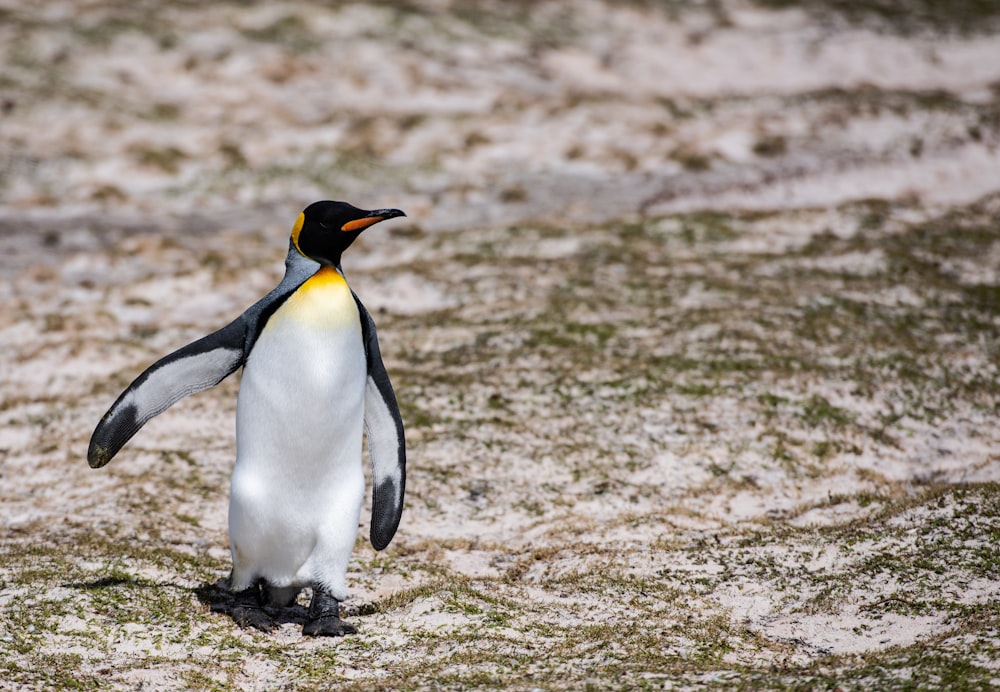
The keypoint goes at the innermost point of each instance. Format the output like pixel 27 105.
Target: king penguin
pixel 313 384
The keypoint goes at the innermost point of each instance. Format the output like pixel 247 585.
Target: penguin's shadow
pixel 114 581
pixel 216 595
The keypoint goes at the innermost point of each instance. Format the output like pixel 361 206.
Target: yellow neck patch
pixel 325 278
pixel 296 229
pixel 323 301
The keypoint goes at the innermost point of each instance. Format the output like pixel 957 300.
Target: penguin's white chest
pixel 298 484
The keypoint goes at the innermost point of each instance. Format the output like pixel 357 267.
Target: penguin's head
pixel 325 229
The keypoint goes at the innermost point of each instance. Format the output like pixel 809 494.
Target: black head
pixel 325 229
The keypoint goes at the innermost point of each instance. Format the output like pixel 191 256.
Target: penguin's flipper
pixel 197 366
pixel 386 445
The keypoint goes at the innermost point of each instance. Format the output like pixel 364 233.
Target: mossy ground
pixel 643 456
pixel 699 373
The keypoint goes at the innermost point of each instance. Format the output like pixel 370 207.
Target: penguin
pixel 313 384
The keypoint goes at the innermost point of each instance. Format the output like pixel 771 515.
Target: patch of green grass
pixel 168 159
pixel 707 227
pixel 906 17
pixel 817 411
pixel 291 31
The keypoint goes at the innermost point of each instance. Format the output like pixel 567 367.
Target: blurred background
pixel 120 114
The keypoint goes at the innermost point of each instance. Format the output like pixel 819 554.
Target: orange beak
pixel 373 218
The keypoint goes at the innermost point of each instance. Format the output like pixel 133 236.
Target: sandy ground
pixel 694 323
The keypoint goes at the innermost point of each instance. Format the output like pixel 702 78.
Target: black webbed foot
pixel 248 610
pixel 252 616
pixel 323 619
pixel 328 627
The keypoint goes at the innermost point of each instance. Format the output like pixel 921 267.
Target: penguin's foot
pixel 248 611
pixel 252 616
pixel 330 626
pixel 324 616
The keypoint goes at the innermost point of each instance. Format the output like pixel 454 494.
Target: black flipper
pixel 386 444
pixel 197 366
